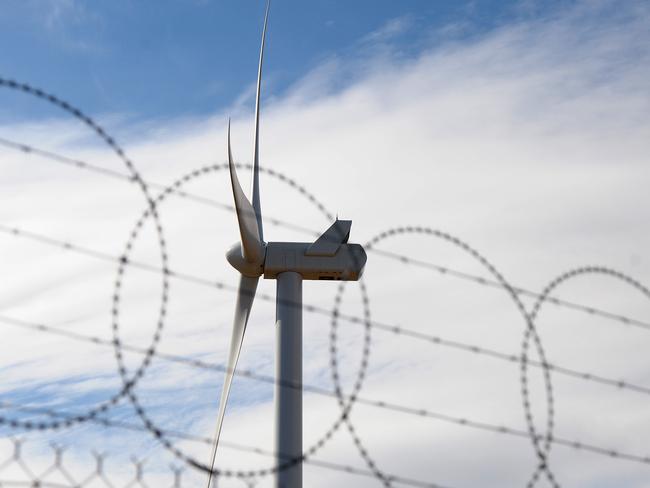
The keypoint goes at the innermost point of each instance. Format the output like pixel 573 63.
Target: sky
pixel 183 58
pixel 520 128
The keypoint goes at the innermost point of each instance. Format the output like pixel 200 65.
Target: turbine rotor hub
pixel 236 259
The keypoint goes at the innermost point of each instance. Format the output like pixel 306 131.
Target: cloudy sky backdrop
pixel 521 128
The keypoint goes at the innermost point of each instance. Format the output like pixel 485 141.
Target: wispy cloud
pixel 390 30
pixel 71 24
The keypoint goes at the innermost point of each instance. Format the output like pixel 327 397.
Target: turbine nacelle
pixel 346 265
pixel 330 257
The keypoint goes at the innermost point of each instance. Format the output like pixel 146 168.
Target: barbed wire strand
pixel 395 329
pixel 419 412
pixel 76 163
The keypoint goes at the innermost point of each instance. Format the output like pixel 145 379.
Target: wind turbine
pixel 330 257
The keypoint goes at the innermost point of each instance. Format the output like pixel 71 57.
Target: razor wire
pixel 148 422
pixel 135 177
pixel 530 329
pixel 562 278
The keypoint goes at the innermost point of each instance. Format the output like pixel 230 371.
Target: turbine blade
pixel 251 244
pixel 255 184
pixel 245 296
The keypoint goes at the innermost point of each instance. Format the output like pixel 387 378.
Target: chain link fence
pixel 49 467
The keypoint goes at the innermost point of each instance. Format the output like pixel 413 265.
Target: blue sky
pixel 170 58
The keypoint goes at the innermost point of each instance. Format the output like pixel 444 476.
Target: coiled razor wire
pixel 159 434
pixel 129 383
pixel 553 284
pixel 151 208
pixel 346 407
pixel 540 451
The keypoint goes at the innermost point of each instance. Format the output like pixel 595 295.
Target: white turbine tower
pixel 330 257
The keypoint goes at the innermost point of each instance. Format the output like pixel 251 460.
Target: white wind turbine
pixel 330 257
